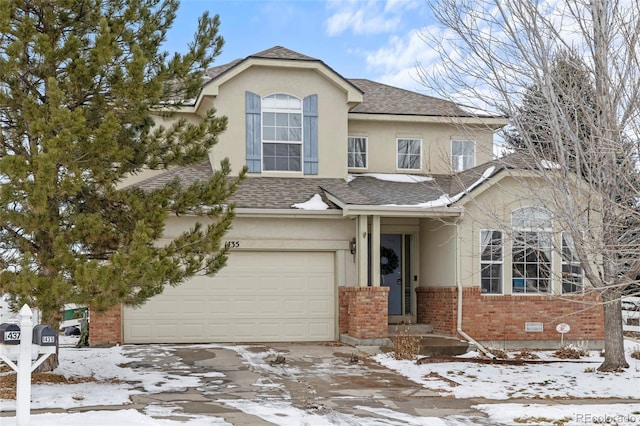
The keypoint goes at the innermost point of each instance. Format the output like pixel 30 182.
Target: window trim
pixel 499 262
pixel 419 140
pixel 366 152
pixel 473 155
pixel 263 141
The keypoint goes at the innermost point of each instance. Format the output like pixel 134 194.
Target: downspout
pixel 459 311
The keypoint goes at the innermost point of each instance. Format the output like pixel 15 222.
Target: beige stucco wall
pixel 437 252
pixel 301 233
pixel 436 143
pixel 263 81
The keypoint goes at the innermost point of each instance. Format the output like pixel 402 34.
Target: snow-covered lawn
pixel 548 389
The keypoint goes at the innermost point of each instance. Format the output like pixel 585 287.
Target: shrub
pixel 570 352
pixel 405 344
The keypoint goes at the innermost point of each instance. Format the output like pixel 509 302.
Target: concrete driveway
pixel 338 384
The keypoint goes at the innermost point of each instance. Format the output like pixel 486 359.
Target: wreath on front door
pixel 392 260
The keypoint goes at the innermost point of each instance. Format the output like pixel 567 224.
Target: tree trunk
pixel 614 358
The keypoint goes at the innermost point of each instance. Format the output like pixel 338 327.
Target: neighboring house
pixel 363 206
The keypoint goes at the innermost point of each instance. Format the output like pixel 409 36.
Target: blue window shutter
pixel 310 139
pixel 253 131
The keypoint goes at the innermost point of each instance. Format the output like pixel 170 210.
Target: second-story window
pixel 281 133
pixel 357 152
pixel 463 155
pixel 409 153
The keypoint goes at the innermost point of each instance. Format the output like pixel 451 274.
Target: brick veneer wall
pixel 105 329
pixel 363 312
pixel 498 318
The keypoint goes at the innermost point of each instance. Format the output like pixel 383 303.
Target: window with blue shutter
pixel 282 133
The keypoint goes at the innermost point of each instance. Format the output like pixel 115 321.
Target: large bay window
pixel 531 250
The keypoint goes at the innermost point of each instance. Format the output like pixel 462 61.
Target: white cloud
pixel 396 62
pixel 366 17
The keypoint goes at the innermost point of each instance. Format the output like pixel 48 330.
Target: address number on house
pixel 11 335
pixel 232 244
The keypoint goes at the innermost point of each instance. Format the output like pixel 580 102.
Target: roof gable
pixel 277 56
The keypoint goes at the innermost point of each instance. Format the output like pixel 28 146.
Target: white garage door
pixel 257 297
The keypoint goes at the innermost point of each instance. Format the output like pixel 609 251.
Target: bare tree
pixel 495 50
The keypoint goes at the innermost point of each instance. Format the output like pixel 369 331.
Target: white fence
pixel 631 321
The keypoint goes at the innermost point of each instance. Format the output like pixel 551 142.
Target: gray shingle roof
pixel 368 190
pixel 261 192
pixel 281 193
pixel 276 52
pixel 186 175
pixel 383 99
pixel 279 52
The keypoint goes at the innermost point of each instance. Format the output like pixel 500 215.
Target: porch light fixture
pixel 352 245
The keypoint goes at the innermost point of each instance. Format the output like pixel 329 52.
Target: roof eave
pixel 350 210
pixel 286 213
pixel 495 122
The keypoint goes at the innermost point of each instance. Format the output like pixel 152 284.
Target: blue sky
pixel 374 39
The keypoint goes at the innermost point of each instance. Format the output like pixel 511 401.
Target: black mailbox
pixel 44 335
pixel 9 334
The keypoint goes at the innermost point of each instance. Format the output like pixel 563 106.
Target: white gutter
pixel 459 310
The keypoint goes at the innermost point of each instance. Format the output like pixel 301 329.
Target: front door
pixel 395 273
pixel 391 271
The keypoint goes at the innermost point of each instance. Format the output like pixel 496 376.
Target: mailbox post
pixel 16 344
pixel 23 381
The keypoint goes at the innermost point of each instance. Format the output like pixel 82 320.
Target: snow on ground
pixel 564 381
pixel 549 389
pixel 570 379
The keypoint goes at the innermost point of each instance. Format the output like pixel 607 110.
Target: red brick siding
pixel 488 318
pixel 363 312
pixel 437 306
pixel 105 329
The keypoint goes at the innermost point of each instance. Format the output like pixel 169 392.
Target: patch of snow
pixel 314 203
pixel 567 414
pixel 112 418
pixel 546 164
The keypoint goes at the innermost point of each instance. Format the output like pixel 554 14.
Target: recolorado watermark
pixel 607 419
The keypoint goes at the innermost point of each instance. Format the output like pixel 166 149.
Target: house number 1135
pixel 232 244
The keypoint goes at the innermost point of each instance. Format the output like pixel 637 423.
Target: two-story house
pixel 365 205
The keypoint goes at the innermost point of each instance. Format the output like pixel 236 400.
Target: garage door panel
pixel 259 296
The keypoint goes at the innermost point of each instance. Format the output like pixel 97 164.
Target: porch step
pixel 410 329
pixel 430 344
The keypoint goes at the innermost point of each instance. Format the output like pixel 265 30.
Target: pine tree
pixel 81 84
pixel 573 97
